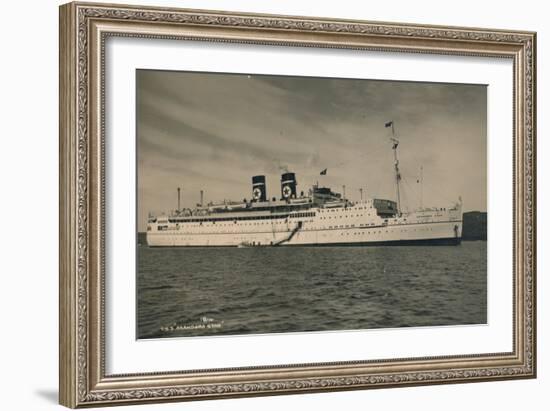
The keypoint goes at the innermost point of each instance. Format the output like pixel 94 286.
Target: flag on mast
pixel 395 141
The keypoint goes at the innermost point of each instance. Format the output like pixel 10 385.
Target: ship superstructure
pixel 320 217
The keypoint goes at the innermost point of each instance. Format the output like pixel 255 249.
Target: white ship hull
pixel 355 225
pixel 322 217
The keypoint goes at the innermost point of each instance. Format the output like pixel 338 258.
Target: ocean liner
pixel 321 217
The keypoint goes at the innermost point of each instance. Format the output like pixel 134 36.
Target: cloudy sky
pixel 215 131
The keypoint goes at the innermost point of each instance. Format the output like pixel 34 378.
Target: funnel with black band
pixel 259 192
pixel 288 186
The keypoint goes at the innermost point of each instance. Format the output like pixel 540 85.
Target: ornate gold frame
pixel 83 30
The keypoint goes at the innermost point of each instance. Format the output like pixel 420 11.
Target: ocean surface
pixel 228 291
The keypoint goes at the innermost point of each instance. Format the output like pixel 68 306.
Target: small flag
pixel 324 172
pixel 388 124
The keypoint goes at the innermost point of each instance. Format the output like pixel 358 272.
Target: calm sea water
pixel 224 291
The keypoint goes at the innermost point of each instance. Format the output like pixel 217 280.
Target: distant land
pixel 142 238
pixel 474 227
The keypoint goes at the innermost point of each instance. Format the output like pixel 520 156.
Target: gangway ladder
pixel 292 233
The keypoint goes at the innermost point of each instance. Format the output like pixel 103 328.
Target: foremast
pixel 395 144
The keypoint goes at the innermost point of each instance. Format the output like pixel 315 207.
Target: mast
pixel 395 144
pixel 421 187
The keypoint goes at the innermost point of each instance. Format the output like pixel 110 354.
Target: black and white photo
pixel 273 204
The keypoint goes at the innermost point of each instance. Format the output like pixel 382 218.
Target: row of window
pixel 235 219
pixel 352 226
pixel 339 209
pixel 218 219
pixel 385 231
pixel 270 217
pixel 366 232
pixel 302 215
pixel 343 216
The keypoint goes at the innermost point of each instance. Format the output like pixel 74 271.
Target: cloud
pixel 214 131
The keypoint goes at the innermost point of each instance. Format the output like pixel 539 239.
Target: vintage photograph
pixel 276 204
